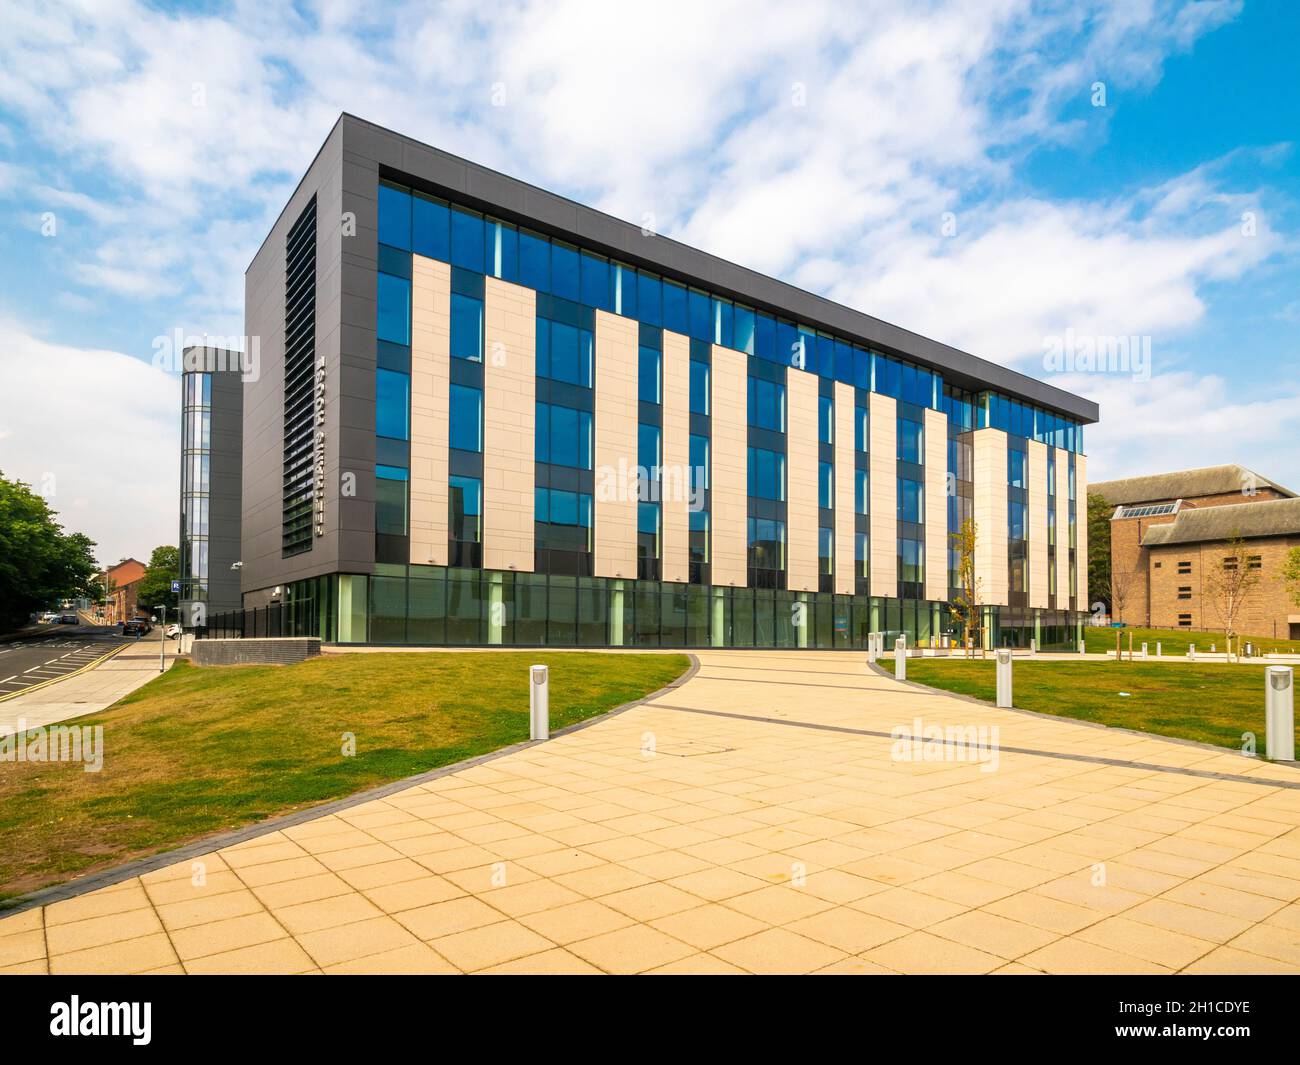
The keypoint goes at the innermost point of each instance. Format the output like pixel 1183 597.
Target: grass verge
pixel 1175 641
pixel 200 751
pixel 1208 703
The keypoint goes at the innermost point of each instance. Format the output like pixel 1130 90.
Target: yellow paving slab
pixel 780 812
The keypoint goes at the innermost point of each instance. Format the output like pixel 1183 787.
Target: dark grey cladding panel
pixel 523 203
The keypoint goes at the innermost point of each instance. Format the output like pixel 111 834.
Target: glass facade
pixel 562 602
pixel 196 471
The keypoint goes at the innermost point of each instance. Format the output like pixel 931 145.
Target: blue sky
pixel 944 166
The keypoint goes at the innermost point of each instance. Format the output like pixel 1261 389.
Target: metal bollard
pixel 1279 713
pixel 1191 652
pixel 871 648
pixel 1144 652
pixel 1157 648
pixel 900 658
pixel 1033 646
pixel 1083 647
pixel 1004 677
pixel 539 703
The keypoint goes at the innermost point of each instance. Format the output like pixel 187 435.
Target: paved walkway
pixel 86 693
pixel 757 819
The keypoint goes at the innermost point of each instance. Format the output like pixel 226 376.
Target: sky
pixel 1023 180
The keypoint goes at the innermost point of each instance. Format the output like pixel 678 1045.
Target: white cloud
pixel 101 431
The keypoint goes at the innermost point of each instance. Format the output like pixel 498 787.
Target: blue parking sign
pixel 176 586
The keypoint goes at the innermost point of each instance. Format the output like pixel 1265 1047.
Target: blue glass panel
pixel 765 338
pixel 825 485
pixel 393 297
pixel 743 330
pixel 650 299
pixel 699 387
pixel 541 504
pixel 564 507
pixel 584 510
pixel 392 473
pixel 843 363
pixel 395 217
pixel 565 279
pixel 543 347
pixel 542 433
pixel 534 261
pixel 825 357
pixel 647 518
pixel 647 446
pixel 624 281
pixel 430 229
pixel 909 500
pixel 861 369
pixel 502 251
pixel 466 240
pixel 724 324
pixel 788 351
pixel 466 418
pixel 392 404
pixel 595 282
pixel 675 315
pixel 648 375
pixel 466 327
pixel 701 315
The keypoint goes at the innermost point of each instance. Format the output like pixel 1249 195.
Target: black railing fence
pixel 271 621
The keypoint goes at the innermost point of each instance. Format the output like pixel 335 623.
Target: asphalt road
pixel 53 653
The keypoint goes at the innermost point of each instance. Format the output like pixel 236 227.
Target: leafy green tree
pixel 1291 574
pixel 1099 584
pixel 39 563
pixel 156 585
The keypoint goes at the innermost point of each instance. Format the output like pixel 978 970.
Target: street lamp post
pixel 162 641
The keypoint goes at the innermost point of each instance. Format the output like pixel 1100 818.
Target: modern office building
pixel 212 421
pixel 1169 530
pixel 490 415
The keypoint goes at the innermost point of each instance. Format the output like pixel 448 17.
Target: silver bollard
pixel 1083 647
pixel 1144 651
pixel 871 648
pixel 900 658
pixel 539 703
pixel 1191 651
pixel 1004 677
pixel 1158 648
pixel 1033 646
pixel 1279 713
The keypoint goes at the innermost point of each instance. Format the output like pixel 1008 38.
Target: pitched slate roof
pixel 1268 517
pixel 1183 484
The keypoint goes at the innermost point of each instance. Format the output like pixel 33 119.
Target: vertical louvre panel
pixel 299 381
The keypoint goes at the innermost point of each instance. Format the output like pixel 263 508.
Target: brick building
pixel 1168 529
pixel 122 583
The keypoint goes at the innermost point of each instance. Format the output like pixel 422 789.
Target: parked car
pixel 49 616
pixel 136 627
pixel 173 632
pixel 70 619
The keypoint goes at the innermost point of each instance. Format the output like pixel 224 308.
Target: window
pixel 563 436
pixel 647 448
pixel 466 500
pixel 699 463
pixel 699 536
pixel 861 549
pixel 430 228
pixel 699 387
pixel 565 518
pixel 766 544
pixel 534 261
pixel 647 530
pixel 825 551
pixel 466 418
pixel 825 485
pixel 565 272
pixel 467 239
pixel 767 404
pixel 564 352
pixel 909 440
pixel 466 327
pixel 910 496
pixel 861 492
pixel 825 420
pixel 861 430
pixel 1016 460
pixel 1184 566
pixel 1254 561
pixel 1230 564
pixel 393 322
pixel 1185 621
pixel 910 569
pixel 394 217
pixel 390 500
pixel 392 404
pixel 766 474
pixel 1016 520
pixel 648 376
pixel 1184 592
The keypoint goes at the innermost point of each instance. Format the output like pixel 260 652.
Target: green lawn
pixel 199 751
pixel 1174 641
pixel 1209 703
